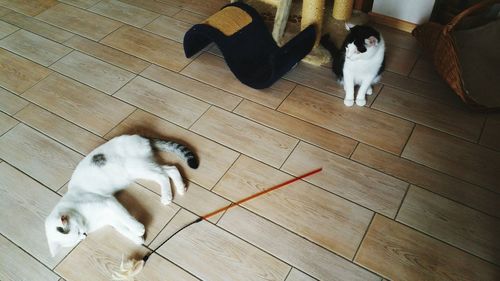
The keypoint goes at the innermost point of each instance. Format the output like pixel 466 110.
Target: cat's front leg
pixel 349 90
pixel 125 223
pixel 363 89
pixel 125 231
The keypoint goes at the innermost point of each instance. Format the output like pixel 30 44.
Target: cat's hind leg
pixel 176 177
pixel 157 174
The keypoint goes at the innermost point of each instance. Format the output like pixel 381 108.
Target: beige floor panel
pixel 398 38
pixel 424 70
pixel 181 219
pixel 410 255
pixel 364 124
pixel 456 121
pixel 297 128
pixel 148 46
pixel 79 21
pixel 169 27
pixel 296 275
pixel 189 17
pixel 6 123
pixel 169 104
pixel 93 72
pixel 28 7
pixel 451 222
pixel 291 248
pixel 250 138
pixel 437 182
pixel 4 11
pixel 38 27
pixel 15 262
pixel 35 154
pixel 124 12
pixel 215 159
pixel 6 29
pixel 299 207
pixel 365 186
pixel 210 253
pixel 99 255
pixel 158 268
pixel 454 156
pixel 11 103
pixel 491 134
pixel 213 70
pixel 154 5
pixel 400 60
pixel 207 7
pixel 107 54
pixel 192 87
pixel 34 47
pixel 78 103
pixel 18 74
pixel 59 129
pixel 25 204
pixel 84 4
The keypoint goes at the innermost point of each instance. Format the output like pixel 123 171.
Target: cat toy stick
pixel 132 268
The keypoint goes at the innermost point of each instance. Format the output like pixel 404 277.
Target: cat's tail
pixel 329 45
pixel 177 148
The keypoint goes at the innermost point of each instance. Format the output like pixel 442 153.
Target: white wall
pixel 415 11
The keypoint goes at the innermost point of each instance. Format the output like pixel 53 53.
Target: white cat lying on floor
pixel 89 203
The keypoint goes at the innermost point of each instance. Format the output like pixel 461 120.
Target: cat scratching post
pixel 342 9
pixel 312 13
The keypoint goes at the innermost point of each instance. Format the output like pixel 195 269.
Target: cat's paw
pixel 182 190
pixel 139 229
pixel 139 240
pixel 369 92
pixel 349 102
pixel 360 102
pixel 166 200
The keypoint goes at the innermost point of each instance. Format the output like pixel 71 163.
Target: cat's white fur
pixel 362 69
pixel 89 203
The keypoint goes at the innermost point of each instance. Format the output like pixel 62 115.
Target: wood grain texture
pixel 210 253
pixel 28 7
pixel 6 29
pixel 400 60
pixel 79 21
pixel 93 72
pixel 460 122
pixel 360 123
pixel 11 103
pixel 291 248
pixel 451 222
pixel 15 262
pixel 410 255
pixel 169 104
pixel 296 275
pixel 253 139
pixel 455 157
pixel 18 74
pixel 24 200
pixel 192 87
pixel 169 27
pixel 38 156
pixel 214 158
pixel 424 70
pixel 297 128
pixel 78 103
pixel 365 186
pixel 159 268
pixel 207 7
pixel 148 46
pixel 59 129
pixel 6 123
pixel 124 12
pixel 98 256
pixel 430 179
pixel 38 27
pixel 299 207
pixel 189 17
pixel 213 70
pixel 154 5
pixel 180 220
pixel 34 47
pixel 491 135
pixel 85 4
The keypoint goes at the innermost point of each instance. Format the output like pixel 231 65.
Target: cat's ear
pixel 349 25
pixel 54 247
pixel 371 41
pixel 64 220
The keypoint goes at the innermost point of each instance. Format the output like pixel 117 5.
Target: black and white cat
pixel 89 203
pixel 360 61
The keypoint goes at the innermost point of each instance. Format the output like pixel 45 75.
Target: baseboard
pixel 392 22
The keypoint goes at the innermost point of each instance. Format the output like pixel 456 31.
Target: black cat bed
pixel 248 47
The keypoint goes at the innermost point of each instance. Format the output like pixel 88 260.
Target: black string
pixel 146 257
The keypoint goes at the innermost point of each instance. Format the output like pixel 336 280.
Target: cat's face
pixel 63 230
pixel 362 42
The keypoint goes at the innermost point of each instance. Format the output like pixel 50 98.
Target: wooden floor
pixel 409 188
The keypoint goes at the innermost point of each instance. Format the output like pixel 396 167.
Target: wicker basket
pixel 438 41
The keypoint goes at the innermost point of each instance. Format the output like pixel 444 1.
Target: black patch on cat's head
pixel 62 230
pixel 99 160
pixel 358 34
